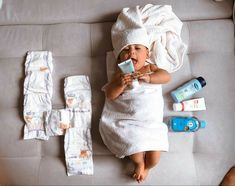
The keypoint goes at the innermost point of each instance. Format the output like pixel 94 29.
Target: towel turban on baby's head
pixel 129 29
pixel 154 26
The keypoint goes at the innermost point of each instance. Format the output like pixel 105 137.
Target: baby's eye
pixel 137 47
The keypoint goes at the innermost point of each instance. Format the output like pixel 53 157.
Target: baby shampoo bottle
pixel 185 124
pixel 188 89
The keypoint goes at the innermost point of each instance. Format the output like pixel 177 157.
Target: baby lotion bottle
pixel 185 124
pixel 188 89
pixel 190 105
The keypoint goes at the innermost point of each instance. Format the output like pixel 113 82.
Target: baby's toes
pixel 136 177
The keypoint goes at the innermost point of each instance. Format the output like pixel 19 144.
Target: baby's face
pixel 137 53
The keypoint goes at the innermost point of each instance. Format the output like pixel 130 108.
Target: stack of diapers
pixel 77 141
pixel 37 93
pixel 74 121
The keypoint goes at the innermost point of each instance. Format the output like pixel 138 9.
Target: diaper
pixel 38 70
pixel 77 92
pixel 77 141
pixel 38 60
pixel 78 151
pixel 59 121
pixel 37 93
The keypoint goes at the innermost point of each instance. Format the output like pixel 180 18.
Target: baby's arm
pixel 116 87
pixel 158 75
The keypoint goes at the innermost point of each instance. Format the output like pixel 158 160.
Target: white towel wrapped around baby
pixel 134 122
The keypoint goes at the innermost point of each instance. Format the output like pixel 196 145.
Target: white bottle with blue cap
pixel 188 89
pixel 185 124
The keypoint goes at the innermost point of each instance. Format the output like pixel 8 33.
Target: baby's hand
pixel 144 78
pixel 126 80
pixel 122 80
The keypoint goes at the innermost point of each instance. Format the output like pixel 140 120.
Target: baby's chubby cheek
pixel 124 57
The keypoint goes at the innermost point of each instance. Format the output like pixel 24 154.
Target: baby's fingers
pixel 126 79
pixel 145 78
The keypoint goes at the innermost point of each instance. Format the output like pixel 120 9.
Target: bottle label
pixel 187 92
pixel 187 124
pixel 196 86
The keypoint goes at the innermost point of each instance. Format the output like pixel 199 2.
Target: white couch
pixel 77 32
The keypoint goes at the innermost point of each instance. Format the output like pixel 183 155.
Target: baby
pixel 138 53
pixel 131 123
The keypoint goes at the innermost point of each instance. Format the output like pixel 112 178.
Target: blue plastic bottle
pixel 185 124
pixel 188 89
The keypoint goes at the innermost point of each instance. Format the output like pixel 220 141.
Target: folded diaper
pixel 59 121
pixel 77 92
pixel 62 119
pixel 78 151
pixel 38 70
pixel 39 60
pixel 37 93
pixel 81 118
pixel 77 141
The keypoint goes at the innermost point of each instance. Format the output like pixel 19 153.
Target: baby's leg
pixel 229 178
pixel 138 160
pixel 151 159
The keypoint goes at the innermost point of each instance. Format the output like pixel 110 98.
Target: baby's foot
pixel 139 169
pixel 229 178
pixel 144 175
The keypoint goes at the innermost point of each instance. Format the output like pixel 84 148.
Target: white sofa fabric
pixel 77 32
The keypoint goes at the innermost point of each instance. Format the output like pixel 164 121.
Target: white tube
pixel 190 105
pixel 128 67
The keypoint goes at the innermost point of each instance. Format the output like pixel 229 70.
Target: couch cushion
pixel 19 171
pixel 50 12
pixel 11 143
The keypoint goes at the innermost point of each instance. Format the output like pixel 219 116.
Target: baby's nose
pixel 131 52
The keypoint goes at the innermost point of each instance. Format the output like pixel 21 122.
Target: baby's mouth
pixel 134 61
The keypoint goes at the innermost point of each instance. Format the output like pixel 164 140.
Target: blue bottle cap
pixel 202 81
pixel 202 124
